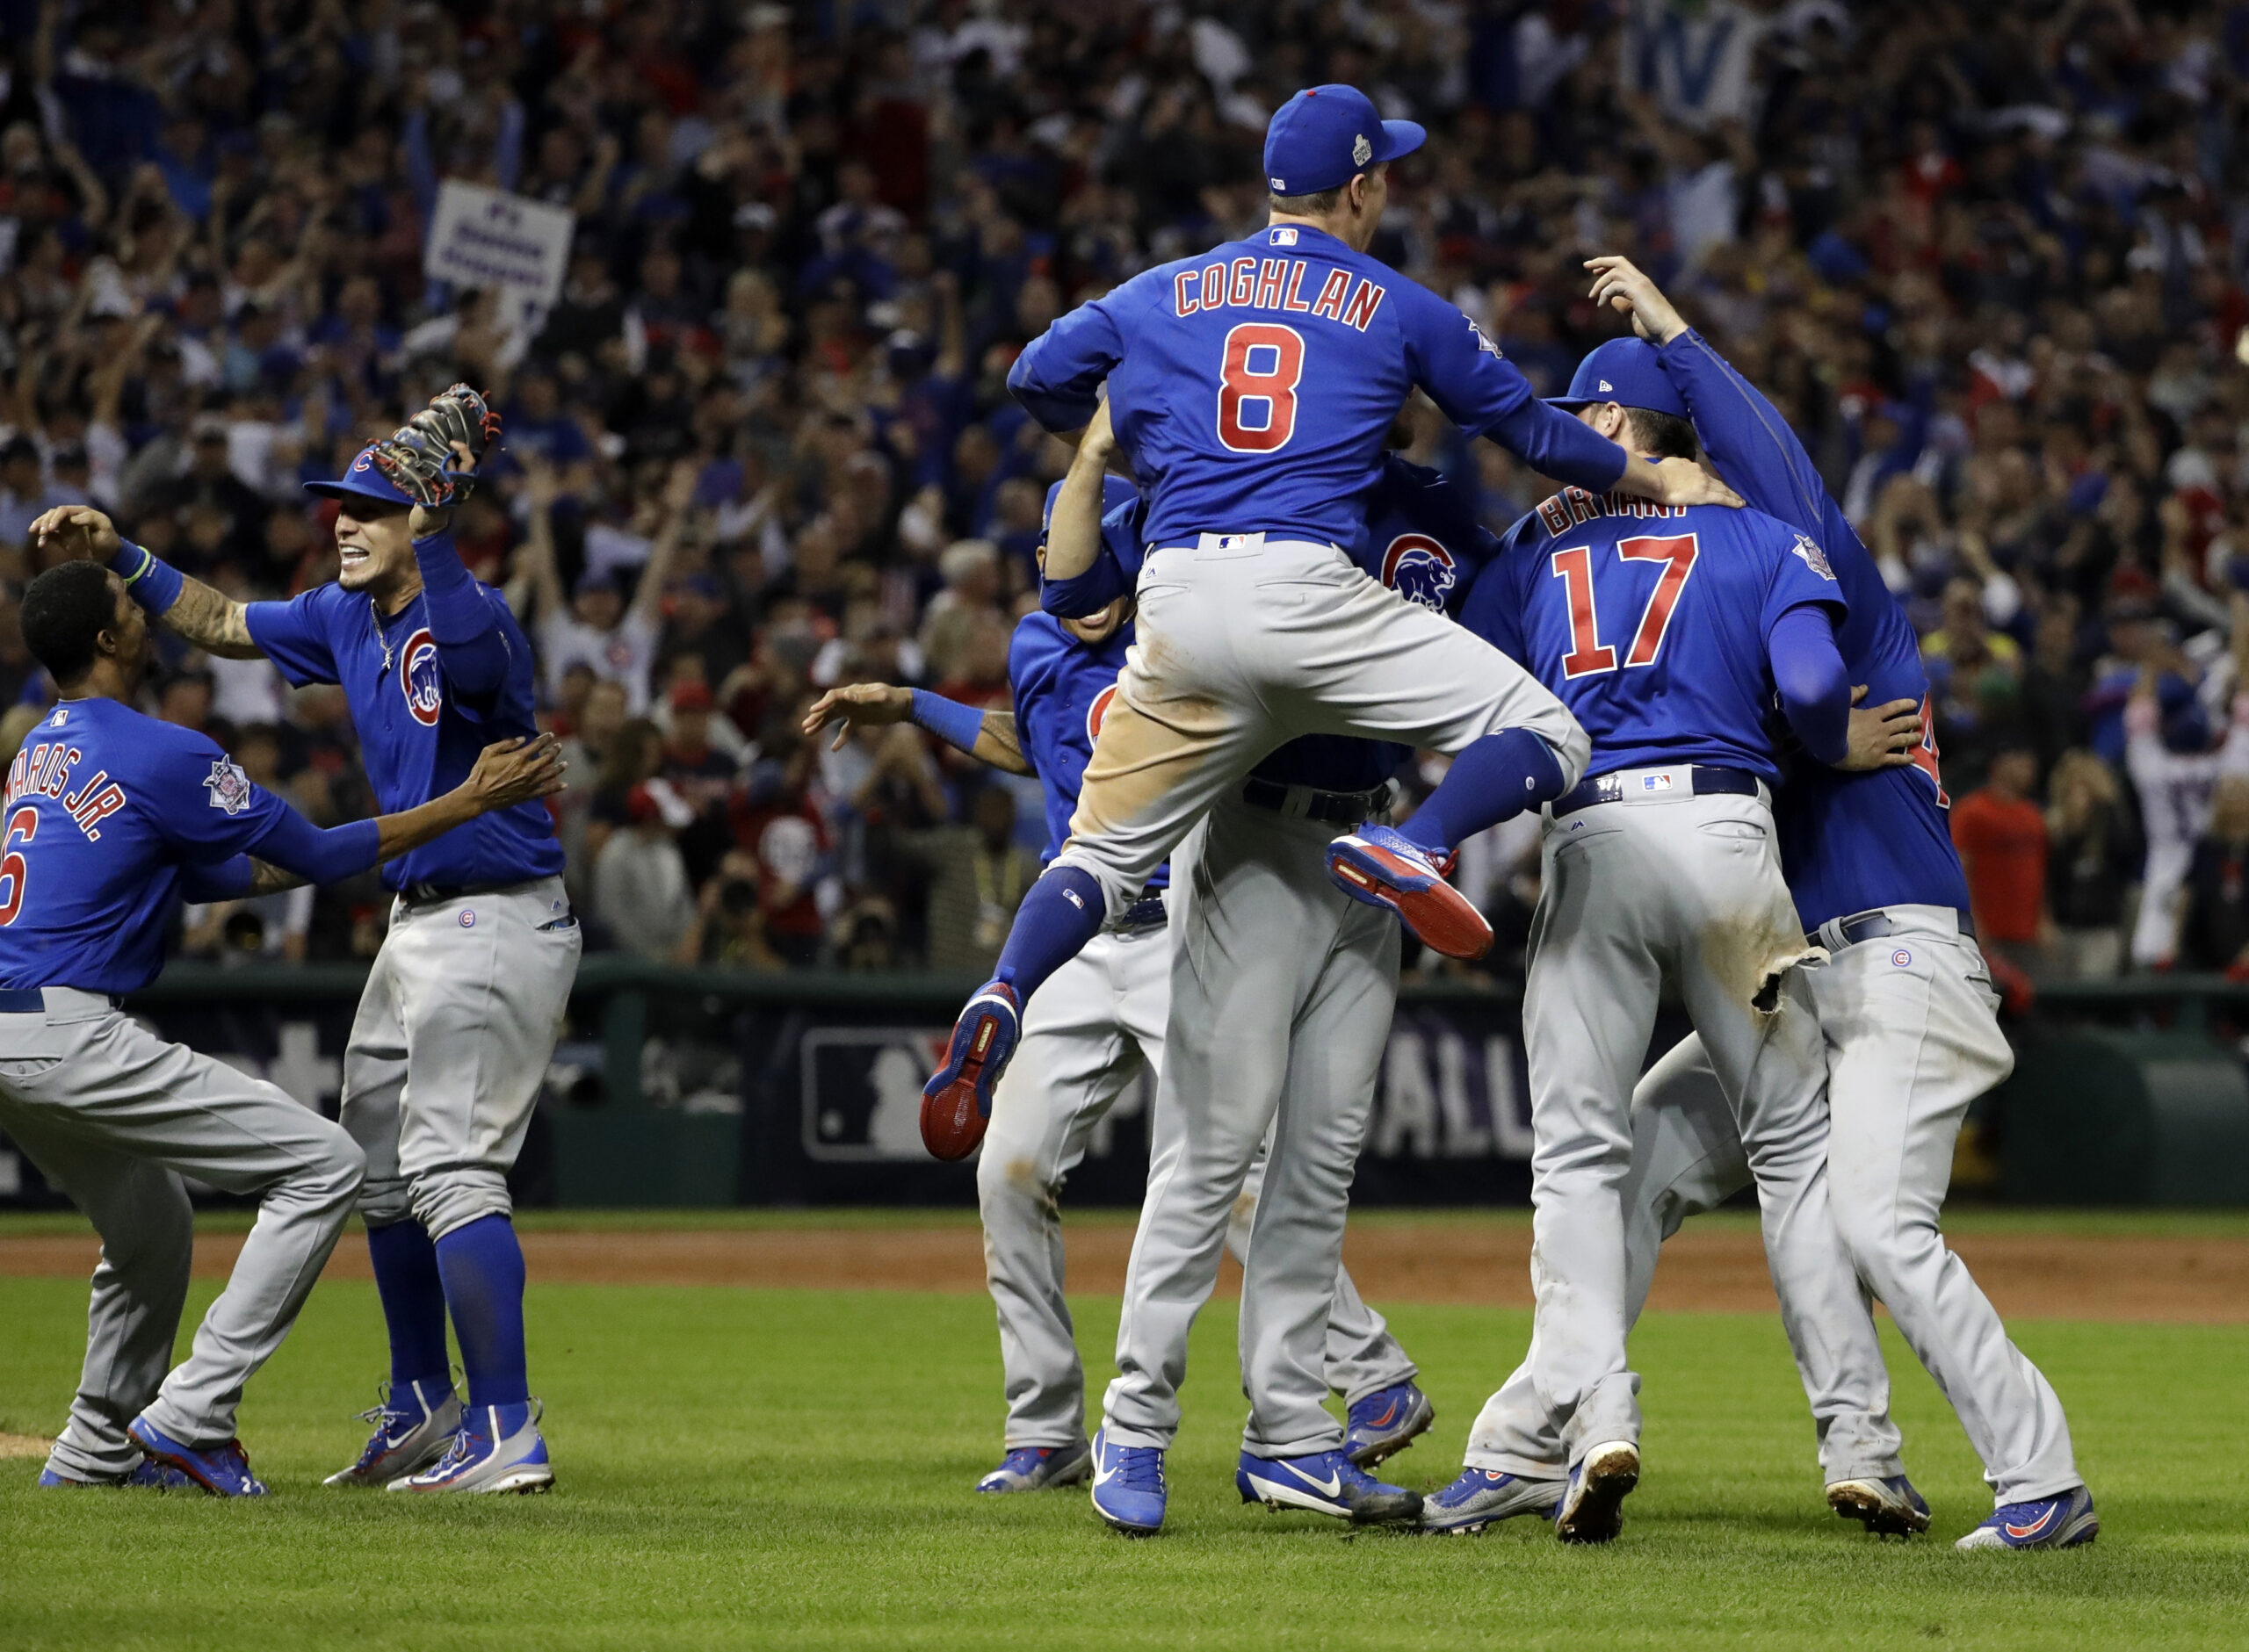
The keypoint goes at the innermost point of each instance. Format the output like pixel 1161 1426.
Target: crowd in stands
pixel 1991 261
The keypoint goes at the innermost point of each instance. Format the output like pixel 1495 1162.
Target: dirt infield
pixel 1453 1259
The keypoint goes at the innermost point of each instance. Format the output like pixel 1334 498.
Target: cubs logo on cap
pixel 1420 569
pixel 1324 135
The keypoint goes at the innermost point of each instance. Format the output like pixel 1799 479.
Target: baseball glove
pixel 418 464
pixel 458 414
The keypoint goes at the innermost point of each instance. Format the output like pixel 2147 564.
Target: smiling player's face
pixel 374 545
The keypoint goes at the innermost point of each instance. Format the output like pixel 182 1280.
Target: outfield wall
pixel 713 1087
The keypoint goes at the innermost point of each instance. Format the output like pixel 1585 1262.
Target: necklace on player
pixel 375 614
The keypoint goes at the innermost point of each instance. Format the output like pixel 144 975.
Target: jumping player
pixel 1098 1025
pixel 111 817
pixel 1251 389
pixel 1669 634
pixel 1282 992
pixel 1909 1018
pixel 466 997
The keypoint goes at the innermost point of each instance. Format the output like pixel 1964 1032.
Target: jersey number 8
pixel 1257 387
pixel 1588 655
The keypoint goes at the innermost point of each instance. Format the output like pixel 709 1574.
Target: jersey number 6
pixel 1588 655
pixel 23 825
pixel 1257 387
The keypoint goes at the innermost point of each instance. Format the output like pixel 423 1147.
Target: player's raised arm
pixel 989 737
pixel 1057 378
pixel 186 607
pixel 432 460
pixel 1744 433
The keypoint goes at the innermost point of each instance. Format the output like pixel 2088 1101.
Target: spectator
pixel 631 760
pixel 701 776
pixel 2001 836
pixel 978 874
pixel 2213 913
pixel 2092 859
pixel 597 627
pixel 728 929
pixel 2174 768
pixel 640 896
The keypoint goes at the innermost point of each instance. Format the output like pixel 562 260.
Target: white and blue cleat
pixel 1325 1482
pixel 1381 867
pixel 223 1470
pixel 498 1448
pixel 1128 1487
pixel 1038 1468
pixel 1385 1422
pixel 1482 1496
pixel 1592 1509
pixel 2062 1522
pixel 1887 1507
pixel 411 1431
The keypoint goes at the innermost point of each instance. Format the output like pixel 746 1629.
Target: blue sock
pixel 1495 779
pixel 413 1303
pixel 483 1268
pixel 1063 911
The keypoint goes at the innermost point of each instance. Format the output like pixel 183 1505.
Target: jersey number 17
pixel 1588 655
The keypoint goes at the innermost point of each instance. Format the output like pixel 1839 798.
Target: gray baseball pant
pixel 1086 1037
pixel 1661 883
pixel 450 1047
pixel 115 1116
pixel 1247 642
pixel 1282 992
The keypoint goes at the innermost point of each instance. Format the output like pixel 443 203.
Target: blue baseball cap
pixel 1626 371
pixel 1324 135
pixel 1115 491
pixel 361 480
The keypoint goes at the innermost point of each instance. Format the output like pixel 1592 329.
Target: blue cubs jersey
pixel 1848 841
pixel 1650 623
pixel 106 811
pixel 1063 689
pixel 1253 386
pixel 419 738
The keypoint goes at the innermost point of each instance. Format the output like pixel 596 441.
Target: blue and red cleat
pixel 957 1102
pixel 1385 1422
pixel 148 1475
pixel 2062 1522
pixel 223 1470
pixel 1382 867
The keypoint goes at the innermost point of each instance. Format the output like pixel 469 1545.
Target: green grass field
pixel 792 1468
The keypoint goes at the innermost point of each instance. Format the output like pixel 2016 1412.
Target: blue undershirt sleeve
pixel 296 845
pixel 472 649
pixel 1815 689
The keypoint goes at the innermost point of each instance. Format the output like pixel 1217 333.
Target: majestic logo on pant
pixel 418 678
pixel 1420 570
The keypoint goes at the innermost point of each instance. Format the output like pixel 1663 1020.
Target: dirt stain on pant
pixel 1750 957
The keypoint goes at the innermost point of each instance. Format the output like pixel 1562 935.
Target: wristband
pixel 951 721
pixel 154 582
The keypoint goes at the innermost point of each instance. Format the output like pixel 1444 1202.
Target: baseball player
pixel 111 817
pixel 1911 1037
pixel 1098 1024
pixel 1669 634
pixel 1282 992
pixel 1251 389
pixel 465 1000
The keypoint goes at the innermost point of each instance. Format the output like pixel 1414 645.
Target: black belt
pixel 1704 780
pixel 1337 808
pixel 1876 926
pixel 31 1001
pixel 1147 912
pixel 430 894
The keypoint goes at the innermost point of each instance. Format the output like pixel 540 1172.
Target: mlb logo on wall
pixel 419 680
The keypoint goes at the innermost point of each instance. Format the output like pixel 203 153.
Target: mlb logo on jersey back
pixel 1419 569
pixel 419 681
pixel 1281 235
pixel 1813 557
pixel 228 786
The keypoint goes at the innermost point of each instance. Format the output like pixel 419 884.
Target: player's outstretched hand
pixel 1683 481
pixel 870 703
pixel 1882 736
pixel 510 772
pixel 77 532
pixel 1618 283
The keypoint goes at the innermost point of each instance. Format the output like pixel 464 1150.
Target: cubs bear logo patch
pixel 419 679
pixel 1420 569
